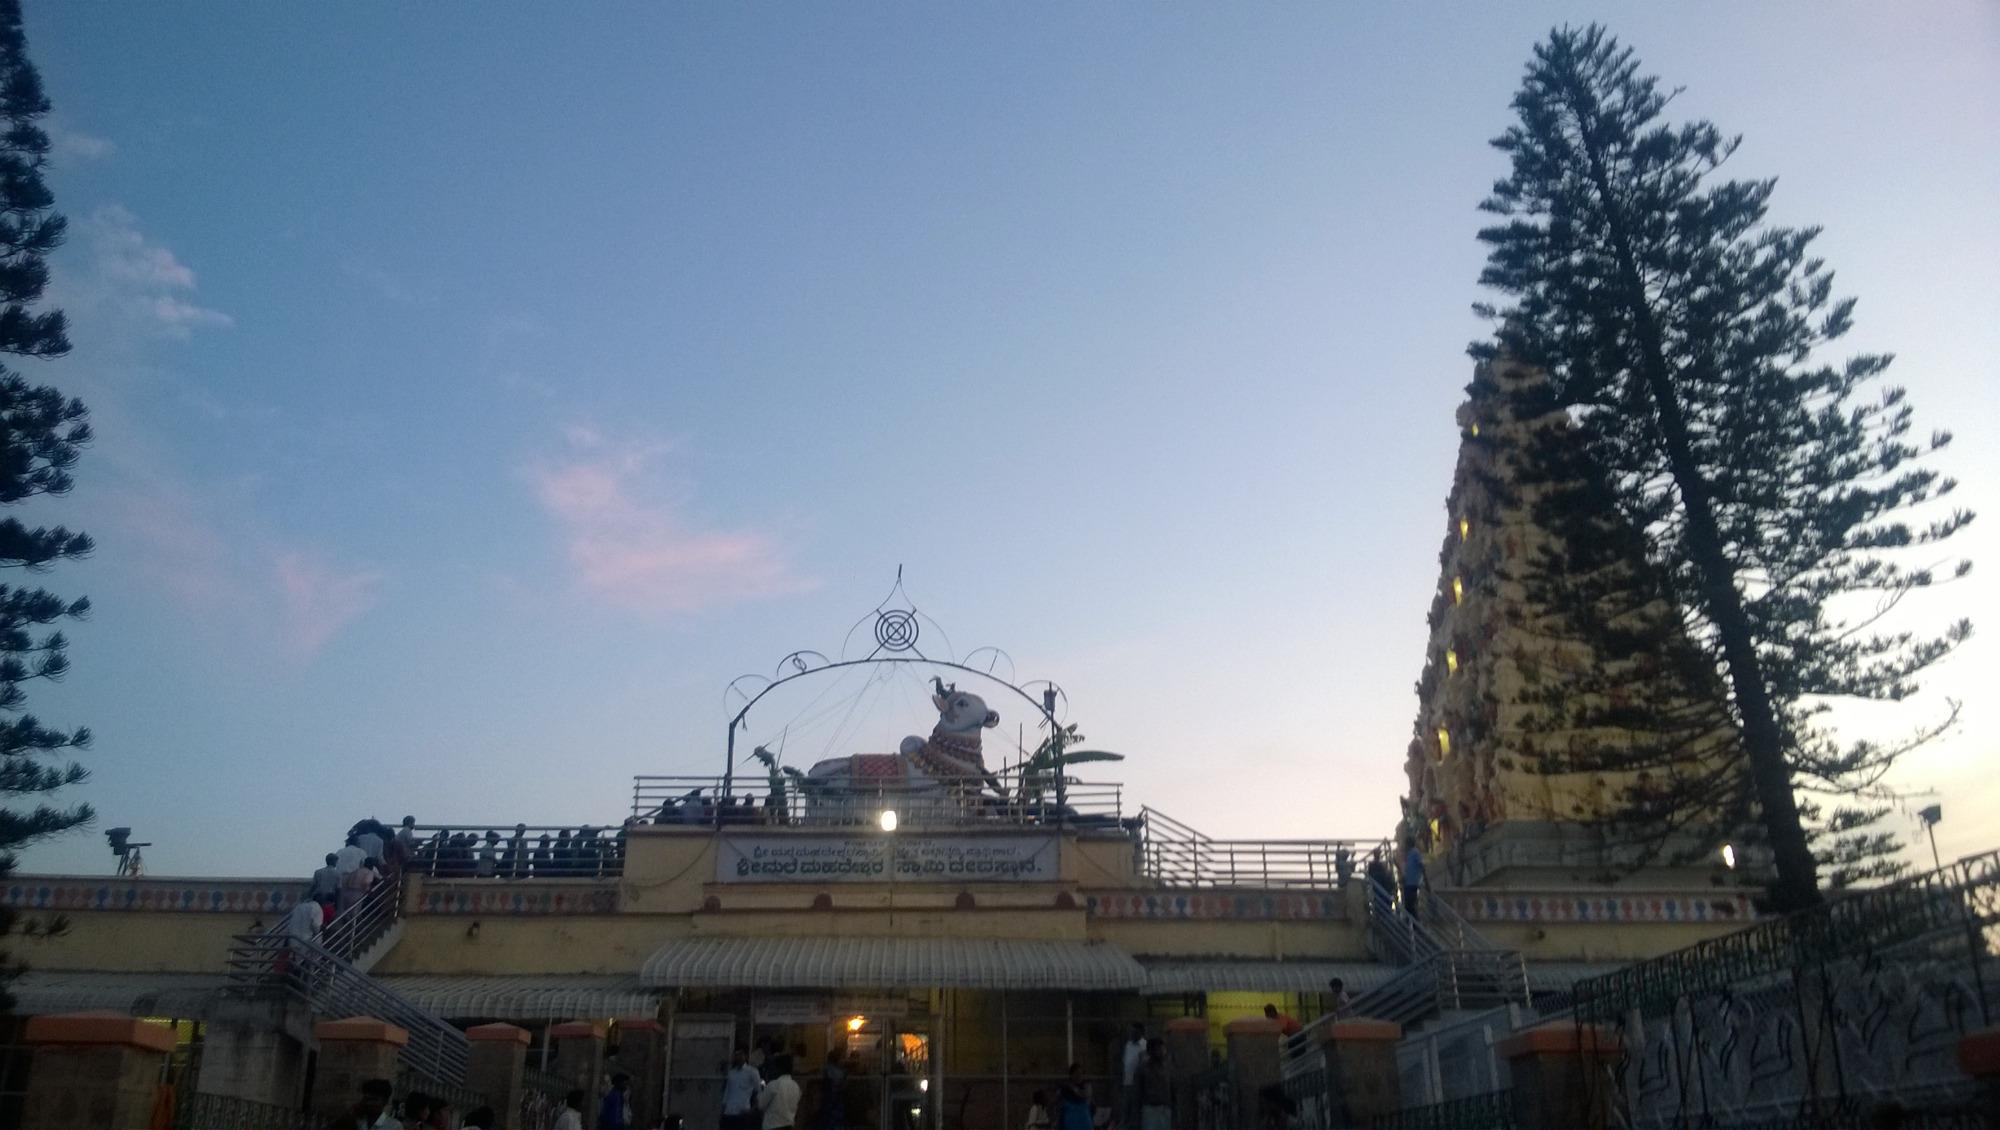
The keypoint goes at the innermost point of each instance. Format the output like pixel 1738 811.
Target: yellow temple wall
pixel 145 941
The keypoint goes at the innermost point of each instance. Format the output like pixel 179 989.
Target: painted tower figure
pixel 1516 772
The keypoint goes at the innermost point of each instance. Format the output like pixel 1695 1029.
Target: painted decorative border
pixel 261 897
pixel 1218 905
pixel 487 896
pixel 1532 906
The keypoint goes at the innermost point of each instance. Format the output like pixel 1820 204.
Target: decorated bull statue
pixel 938 776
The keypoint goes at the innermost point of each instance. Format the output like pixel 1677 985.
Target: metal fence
pixel 1819 1018
pixel 1001 798
pixel 196 1111
pixel 519 851
pixel 1175 855
pixel 1491 1111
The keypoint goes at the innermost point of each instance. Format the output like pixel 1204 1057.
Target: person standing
pixel 326 884
pixel 349 857
pixel 373 1109
pixel 1342 1002
pixel 615 1112
pixel 1288 1026
pixel 780 1098
pixel 1156 1089
pixel 571 1117
pixel 1073 1110
pixel 1413 877
pixel 1128 1080
pixel 304 921
pixel 739 1092
pixel 833 1091
pixel 354 885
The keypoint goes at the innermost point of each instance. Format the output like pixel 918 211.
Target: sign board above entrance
pixel 867 859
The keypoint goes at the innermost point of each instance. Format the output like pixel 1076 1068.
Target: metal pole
pixel 728 772
pixel 1069 1033
pixel 1931 829
pixel 1006 1068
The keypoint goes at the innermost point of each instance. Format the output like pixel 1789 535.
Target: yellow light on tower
pixel 1464 528
pixel 1444 742
pixel 1458 590
pixel 1451 661
pixel 1475 427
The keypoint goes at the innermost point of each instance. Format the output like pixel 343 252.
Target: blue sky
pixel 479 391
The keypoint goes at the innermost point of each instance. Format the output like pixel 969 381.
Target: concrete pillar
pixel 1253 1061
pixel 1187 1058
pixel 642 1054
pixel 91 1071
pixel 351 1052
pixel 499 1057
pixel 251 1061
pixel 1560 1081
pixel 1979 1056
pixel 1361 1079
pixel 579 1062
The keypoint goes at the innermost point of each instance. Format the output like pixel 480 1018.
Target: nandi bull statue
pixel 928 776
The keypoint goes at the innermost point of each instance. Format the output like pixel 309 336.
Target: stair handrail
pixel 272 963
pixel 358 927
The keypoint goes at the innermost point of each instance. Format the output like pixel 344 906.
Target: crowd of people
pixel 586 852
pixel 371 855
pixel 377 1110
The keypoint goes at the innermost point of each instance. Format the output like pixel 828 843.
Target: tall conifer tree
pixel 41 432
pixel 1771 489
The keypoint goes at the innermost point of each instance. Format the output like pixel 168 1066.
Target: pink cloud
pixel 319 601
pixel 639 552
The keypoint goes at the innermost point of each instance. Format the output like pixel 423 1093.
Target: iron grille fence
pixel 1813 1019
pixel 541 1099
pixel 195 1111
pixel 1491 1111
pixel 1175 855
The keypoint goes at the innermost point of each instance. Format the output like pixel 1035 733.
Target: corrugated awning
pixel 526 998
pixel 890 963
pixel 1165 977
pixel 178 995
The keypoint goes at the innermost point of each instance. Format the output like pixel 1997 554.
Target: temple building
pixel 955 943
pixel 1517 770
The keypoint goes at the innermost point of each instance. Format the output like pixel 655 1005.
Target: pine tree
pixel 1679 333
pixel 41 433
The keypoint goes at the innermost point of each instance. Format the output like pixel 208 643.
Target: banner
pixel 867 859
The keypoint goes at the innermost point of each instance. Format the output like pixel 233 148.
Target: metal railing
pixel 519 851
pixel 271 964
pixel 1176 855
pixel 196 1111
pixel 1491 1111
pixel 360 926
pixel 1001 798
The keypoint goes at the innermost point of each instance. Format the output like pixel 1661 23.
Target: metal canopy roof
pixel 888 963
pixel 1220 976
pixel 543 997
pixel 174 995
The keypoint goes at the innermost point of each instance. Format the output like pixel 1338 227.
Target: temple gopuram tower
pixel 1514 779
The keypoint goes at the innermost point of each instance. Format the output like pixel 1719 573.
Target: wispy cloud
pixel 320 600
pixel 633 546
pixel 143 279
pixel 72 146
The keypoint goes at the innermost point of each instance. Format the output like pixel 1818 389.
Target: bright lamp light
pixel 888 820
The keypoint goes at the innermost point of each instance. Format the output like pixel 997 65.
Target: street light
pixel 888 820
pixel 1930 816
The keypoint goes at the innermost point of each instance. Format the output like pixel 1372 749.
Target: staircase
pixel 1446 966
pixel 330 976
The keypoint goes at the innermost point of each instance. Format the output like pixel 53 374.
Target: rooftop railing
pixel 518 851
pixel 999 799
pixel 1175 855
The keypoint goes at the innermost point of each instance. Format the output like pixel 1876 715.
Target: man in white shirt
pixel 572 1116
pixel 369 840
pixel 739 1092
pixel 407 836
pixel 1135 1055
pixel 326 880
pixel 780 1098
pixel 304 920
pixel 373 1109
pixel 349 857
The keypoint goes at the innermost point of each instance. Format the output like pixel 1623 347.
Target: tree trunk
pixel 1797 885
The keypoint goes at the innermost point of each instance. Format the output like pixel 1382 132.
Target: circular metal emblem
pixel 896 629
